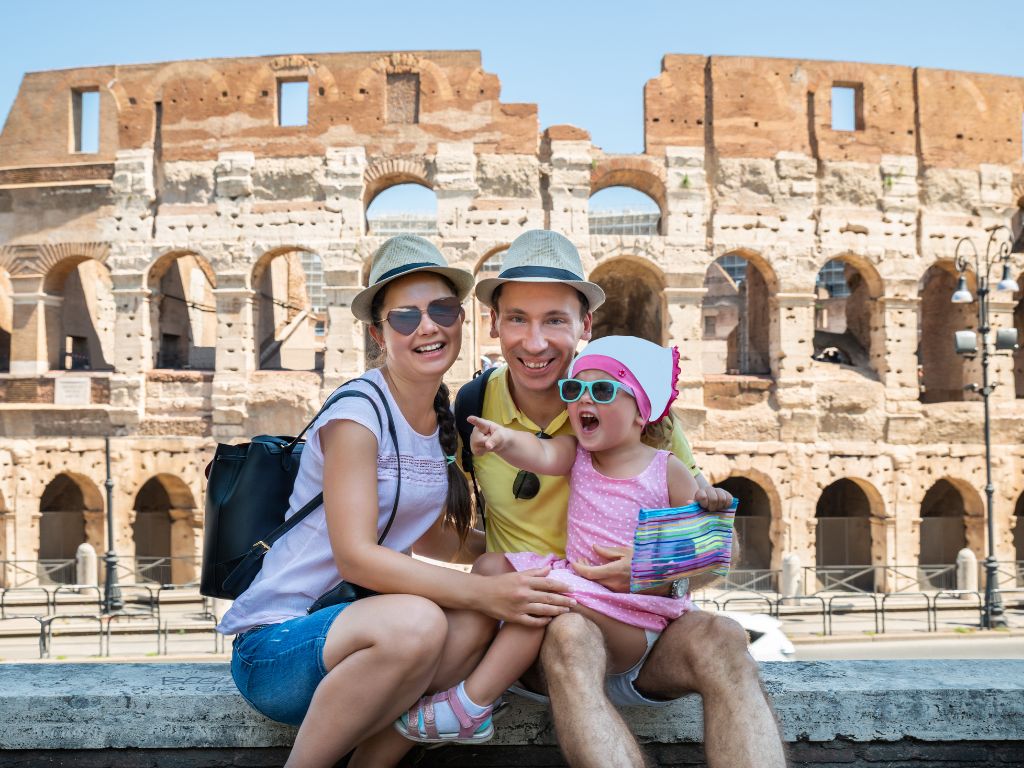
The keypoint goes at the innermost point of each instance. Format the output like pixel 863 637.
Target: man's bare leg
pixel 708 654
pixel 590 731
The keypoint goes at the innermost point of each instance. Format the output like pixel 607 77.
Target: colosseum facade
pixel 187 281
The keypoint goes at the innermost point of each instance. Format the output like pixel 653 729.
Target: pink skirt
pixel 645 611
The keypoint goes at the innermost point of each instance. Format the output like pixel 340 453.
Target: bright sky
pixel 583 62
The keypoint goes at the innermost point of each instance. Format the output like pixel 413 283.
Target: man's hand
pixel 713 499
pixel 527 597
pixel 487 436
pixel 614 574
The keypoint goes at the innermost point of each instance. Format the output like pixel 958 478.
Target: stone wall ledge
pixel 195 706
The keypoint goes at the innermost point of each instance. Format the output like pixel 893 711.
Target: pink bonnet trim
pixel 675 384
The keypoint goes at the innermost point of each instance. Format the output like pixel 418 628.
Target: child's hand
pixel 487 436
pixel 613 574
pixel 713 499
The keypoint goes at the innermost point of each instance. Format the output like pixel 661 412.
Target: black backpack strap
pixel 260 548
pixel 470 402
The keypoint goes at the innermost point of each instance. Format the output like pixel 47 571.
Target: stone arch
pixel 488 265
pixel 848 318
pixel 637 173
pixel 952 517
pixel 846 542
pixel 71 513
pixel 6 319
pixel 636 299
pixel 402 62
pixel 756 521
pixel 391 172
pixel 739 316
pixel 942 372
pixel 183 311
pixel 180 72
pixel 80 310
pixel 165 531
pixel 289 309
pixel 410 220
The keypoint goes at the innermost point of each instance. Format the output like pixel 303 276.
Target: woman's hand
pixel 527 597
pixel 487 436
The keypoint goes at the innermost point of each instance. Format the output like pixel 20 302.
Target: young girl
pixel 617 387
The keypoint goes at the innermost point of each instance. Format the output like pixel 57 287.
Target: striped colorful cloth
pixel 671 544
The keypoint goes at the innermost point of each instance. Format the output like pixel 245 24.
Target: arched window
pixel 403 209
pixel 164 531
pixel 6 320
pixel 943 535
pixel 62 526
pixel 844 315
pixel 736 315
pixel 943 373
pixel 184 313
pixel 753 529
pixel 623 211
pixel 843 539
pixel 635 304
pixel 290 314
pixel 80 315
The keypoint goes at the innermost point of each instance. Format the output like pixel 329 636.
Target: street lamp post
pixel 111 593
pixel 966 345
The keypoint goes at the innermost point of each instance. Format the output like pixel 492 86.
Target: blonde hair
pixel 659 434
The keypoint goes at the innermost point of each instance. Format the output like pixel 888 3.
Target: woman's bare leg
pixel 380 653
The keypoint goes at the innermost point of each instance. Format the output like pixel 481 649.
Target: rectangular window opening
pixel 85 118
pixel 292 102
pixel 76 353
pixel 847 107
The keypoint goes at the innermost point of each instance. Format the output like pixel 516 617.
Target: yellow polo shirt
pixel 537 524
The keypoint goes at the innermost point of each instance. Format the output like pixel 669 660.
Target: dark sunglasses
pixel 405 320
pixel 526 484
pixel 601 391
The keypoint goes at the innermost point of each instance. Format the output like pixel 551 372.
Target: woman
pixel 347 671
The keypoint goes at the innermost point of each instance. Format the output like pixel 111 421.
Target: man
pixel 541 308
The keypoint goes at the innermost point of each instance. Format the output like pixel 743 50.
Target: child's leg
pixel 513 651
pixel 626 643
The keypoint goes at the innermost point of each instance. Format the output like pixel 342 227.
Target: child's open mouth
pixel 588 422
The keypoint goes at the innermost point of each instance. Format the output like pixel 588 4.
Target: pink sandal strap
pixel 429 718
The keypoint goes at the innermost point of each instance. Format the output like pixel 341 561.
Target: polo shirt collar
pixel 509 412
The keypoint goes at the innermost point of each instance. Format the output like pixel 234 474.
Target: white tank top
pixel 300 567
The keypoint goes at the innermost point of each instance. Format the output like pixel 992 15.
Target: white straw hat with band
pixel 405 255
pixel 541 256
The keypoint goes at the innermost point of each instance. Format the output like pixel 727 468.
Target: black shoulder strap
pixel 317 500
pixel 470 402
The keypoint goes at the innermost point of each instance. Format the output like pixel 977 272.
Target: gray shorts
pixel 621 688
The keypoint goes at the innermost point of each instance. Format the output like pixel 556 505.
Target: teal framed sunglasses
pixel 602 391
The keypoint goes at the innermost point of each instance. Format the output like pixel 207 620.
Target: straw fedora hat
pixel 541 256
pixel 405 255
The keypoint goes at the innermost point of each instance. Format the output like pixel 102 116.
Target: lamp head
pixel 961 295
pixel 1007 283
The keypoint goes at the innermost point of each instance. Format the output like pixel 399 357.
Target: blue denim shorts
pixel 278 667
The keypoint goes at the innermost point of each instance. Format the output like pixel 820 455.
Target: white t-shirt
pixel 300 566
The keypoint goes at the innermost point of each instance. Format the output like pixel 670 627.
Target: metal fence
pixel 145 570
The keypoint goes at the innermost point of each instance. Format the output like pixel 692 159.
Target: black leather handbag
pixel 247 492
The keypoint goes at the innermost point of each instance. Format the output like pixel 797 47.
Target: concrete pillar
pixel 455 186
pixel 792 582
pixel 966 570
pixel 345 345
pixel 235 354
pixel 791 345
pixel 1000 369
pixel 86 565
pixel 30 339
pixel 568 189
pixel 896 356
pixel 686 196
pixel 344 188
pixel 684 330
pixel 186 545
pixel 133 352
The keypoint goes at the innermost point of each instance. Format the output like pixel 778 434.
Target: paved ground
pixel 854 632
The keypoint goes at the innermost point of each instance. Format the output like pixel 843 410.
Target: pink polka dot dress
pixel 603 510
